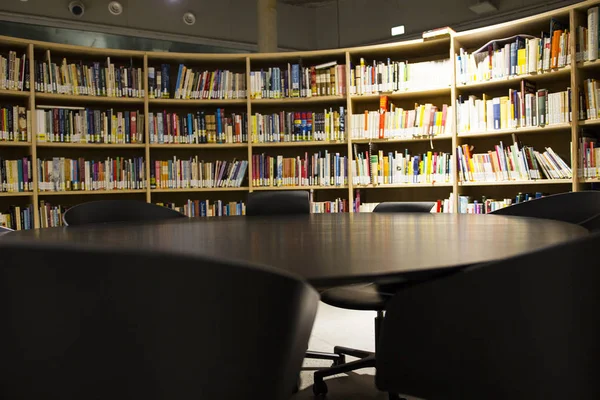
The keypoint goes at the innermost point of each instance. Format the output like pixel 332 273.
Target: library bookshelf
pixel 565 136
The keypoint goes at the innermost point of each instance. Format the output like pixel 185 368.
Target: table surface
pixel 331 249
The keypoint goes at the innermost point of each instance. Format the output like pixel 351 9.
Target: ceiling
pixel 307 3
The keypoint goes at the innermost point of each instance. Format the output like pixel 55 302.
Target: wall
pixel 226 22
pixel 370 21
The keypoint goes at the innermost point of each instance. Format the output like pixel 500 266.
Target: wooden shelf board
pixel 91 145
pixel 589 122
pixel 195 57
pixel 15 144
pixel 196 102
pixel 512 183
pixel 190 190
pixel 14 93
pixel 589 180
pixel 199 146
pixel 90 192
pixel 16 194
pixel 565 71
pixel 402 95
pixel 589 64
pixel 88 99
pixel 299 187
pixel 527 130
pixel 407 140
pixel 404 186
pixel 300 100
pixel 299 144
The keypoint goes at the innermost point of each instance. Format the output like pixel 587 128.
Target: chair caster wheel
pixel 319 388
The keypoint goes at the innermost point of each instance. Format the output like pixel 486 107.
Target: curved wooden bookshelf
pixel 444 46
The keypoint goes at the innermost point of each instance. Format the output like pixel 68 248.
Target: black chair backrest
pixel 522 328
pixel 278 203
pixel 104 211
pixel 404 207
pixel 111 324
pixel 573 207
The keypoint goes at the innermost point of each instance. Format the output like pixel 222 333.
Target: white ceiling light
pixel 189 18
pixel 115 8
pixel 398 30
pixel 483 7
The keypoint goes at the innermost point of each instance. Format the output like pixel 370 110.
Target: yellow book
pixel 386 170
pixel 429 166
pixel 504 104
pixel 522 61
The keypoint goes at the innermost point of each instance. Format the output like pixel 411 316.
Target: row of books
pixel 51 216
pixel 525 108
pixel 320 169
pixel 470 205
pixel 329 207
pixel 293 126
pixel 15 124
pixel 589 157
pixel 392 122
pixel 401 168
pixel 328 79
pixel 399 76
pixel 14 72
pixel 196 173
pixel 77 78
pixel 198 84
pixel 506 163
pixel 204 208
pixel 17 218
pixel 86 125
pixel 516 55
pixel 16 175
pixel 65 174
pixel 589 100
pixel 199 127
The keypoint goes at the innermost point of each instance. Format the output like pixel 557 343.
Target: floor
pixel 335 326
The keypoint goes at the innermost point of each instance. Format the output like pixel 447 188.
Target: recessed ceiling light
pixel 115 8
pixel 189 18
pixel 398 30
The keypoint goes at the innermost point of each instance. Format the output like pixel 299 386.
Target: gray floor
pixel 335 326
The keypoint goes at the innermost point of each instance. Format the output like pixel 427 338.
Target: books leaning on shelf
pixel 510 164
pixel 329 207
pixel 65 174
pixel 401 168
pixel 203 208
pixel 195 173
pixel 77 78
pixel 17 218
pixel 15 124
pixel 391 122
pixel 14 72
pixel 516 55
pixel 327 79
pixel 527 107
pixel 320 169
pixel 399 76
pixel 196 84
pixel 51 216
pixel 293 126
pixel 468 205
pixel 197 128
pixel 16 175
pixel 86 125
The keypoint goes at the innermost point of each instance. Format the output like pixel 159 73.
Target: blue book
pixel 295 80
pixel 190 128
pixel 496 108
pixel 179 78
pixel 513 58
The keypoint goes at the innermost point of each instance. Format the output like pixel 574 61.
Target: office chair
pixel 108 323
pixel 574 207
pixel 105 211
pixel 526 327
pixel 278 203
pixel 370 297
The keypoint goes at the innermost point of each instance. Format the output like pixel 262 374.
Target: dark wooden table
pixel 331 249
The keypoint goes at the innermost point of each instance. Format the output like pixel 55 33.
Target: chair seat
pixel 368 297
